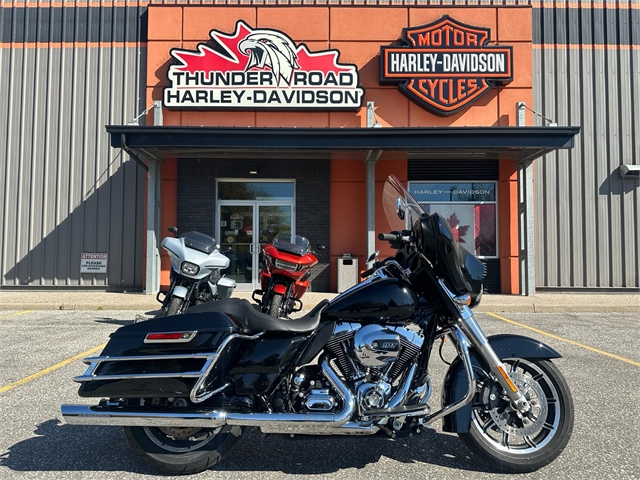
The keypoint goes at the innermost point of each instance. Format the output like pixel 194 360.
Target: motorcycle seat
pixel 253 320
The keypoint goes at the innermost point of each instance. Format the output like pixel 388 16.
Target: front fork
pixel 478 340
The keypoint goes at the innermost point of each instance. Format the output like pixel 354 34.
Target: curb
pixel 524 308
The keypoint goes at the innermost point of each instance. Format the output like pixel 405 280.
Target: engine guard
pixel 455 383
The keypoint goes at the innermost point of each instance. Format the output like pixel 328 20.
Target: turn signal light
pixel 169 337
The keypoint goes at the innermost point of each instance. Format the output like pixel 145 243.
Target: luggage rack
pixel 196 395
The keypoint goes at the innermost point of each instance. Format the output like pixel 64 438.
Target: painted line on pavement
pixel 566 340
pixel 17 313
pixel 50 369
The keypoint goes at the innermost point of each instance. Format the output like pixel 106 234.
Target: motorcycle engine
pixel 373 357
pixel 311 392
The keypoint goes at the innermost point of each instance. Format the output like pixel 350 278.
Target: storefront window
pixel 469 207
pixel 255 190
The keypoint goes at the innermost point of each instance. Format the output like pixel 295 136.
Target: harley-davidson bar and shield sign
pixel 446 65
pixel 260 68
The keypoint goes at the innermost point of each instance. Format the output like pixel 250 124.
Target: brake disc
pixel 534 419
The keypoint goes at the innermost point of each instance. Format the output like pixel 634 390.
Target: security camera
pixel 630 171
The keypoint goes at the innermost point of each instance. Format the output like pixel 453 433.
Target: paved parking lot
pixel 34 443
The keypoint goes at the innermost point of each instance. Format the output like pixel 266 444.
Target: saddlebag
pixel 165 357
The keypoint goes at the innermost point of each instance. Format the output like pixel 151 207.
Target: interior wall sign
pixel 260 69
pixel 446 65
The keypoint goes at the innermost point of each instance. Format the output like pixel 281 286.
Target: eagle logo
pixel 267 48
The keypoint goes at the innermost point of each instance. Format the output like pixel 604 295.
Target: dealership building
pixel 517 120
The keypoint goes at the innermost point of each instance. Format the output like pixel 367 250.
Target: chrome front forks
pixel 479 341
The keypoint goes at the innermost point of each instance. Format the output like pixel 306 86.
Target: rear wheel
pixel 174 306
pixel 276 305
pixel 182 450
pixel 514 442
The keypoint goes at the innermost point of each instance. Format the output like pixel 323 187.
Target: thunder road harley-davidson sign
pixel 260 68
pixel 446 65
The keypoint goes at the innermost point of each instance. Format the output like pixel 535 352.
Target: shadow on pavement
pixel 114 321
pixel 61 447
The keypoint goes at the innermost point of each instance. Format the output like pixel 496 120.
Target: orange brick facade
pixel 357 33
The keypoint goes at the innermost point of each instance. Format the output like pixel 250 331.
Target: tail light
pixel 170 337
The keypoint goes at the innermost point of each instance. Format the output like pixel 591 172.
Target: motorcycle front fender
pixel 180 291
pixel 455 383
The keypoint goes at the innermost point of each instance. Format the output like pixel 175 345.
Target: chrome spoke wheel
pixel 509 430
pixel 521 442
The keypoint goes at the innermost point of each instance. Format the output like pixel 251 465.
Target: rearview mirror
pixel 321 247
pixel 173 230
pixel 400 207
pixel 373 256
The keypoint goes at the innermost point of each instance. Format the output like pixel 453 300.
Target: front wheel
pixel 182 450
pixel 515 442
pixel 174 306
pixel 276 305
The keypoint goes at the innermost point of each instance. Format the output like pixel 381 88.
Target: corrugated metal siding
pixel 63 189
pixel 586 72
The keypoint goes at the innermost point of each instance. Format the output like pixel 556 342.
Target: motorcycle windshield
pixel 199 241
pixel 400 208
pixel 291 244
pixel 433 237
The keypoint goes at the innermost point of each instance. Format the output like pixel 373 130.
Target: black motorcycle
pixel 358 365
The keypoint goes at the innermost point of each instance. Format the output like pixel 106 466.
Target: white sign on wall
pixel 93 263
pixel 260 68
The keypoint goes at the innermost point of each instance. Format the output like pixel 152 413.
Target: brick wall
pixel 197 198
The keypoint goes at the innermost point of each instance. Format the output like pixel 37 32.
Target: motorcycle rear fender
pixel 180 291
pixel 455 383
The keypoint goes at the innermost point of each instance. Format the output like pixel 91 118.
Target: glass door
pixel 236 227
pixel 272 220
pixel 247 210
pixel 243 230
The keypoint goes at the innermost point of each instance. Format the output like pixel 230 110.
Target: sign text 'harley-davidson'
pixel 446 65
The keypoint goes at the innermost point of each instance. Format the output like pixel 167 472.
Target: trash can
pixel 347 272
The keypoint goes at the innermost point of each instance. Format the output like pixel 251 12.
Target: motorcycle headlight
pixel 189 268
pixel 289 266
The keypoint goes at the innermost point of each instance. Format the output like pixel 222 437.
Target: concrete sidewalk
pixel 97 300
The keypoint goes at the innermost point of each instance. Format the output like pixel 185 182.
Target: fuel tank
pixel 376 300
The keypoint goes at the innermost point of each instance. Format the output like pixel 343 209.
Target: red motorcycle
pixel 285 274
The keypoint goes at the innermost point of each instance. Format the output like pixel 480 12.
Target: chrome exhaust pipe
pixel 88 415
pixel 309 423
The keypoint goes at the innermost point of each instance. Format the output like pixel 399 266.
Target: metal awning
pixel 518 143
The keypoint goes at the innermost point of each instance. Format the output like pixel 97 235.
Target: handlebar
pixel 389 262
pixel 396 239
pixel 389 237
pixel 376 266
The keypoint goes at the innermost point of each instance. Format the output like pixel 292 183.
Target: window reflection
pixel 255 190
pixel 468 207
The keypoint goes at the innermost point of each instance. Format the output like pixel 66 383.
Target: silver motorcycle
pixel 196 263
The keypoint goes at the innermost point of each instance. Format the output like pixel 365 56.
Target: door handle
pixel 251 247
